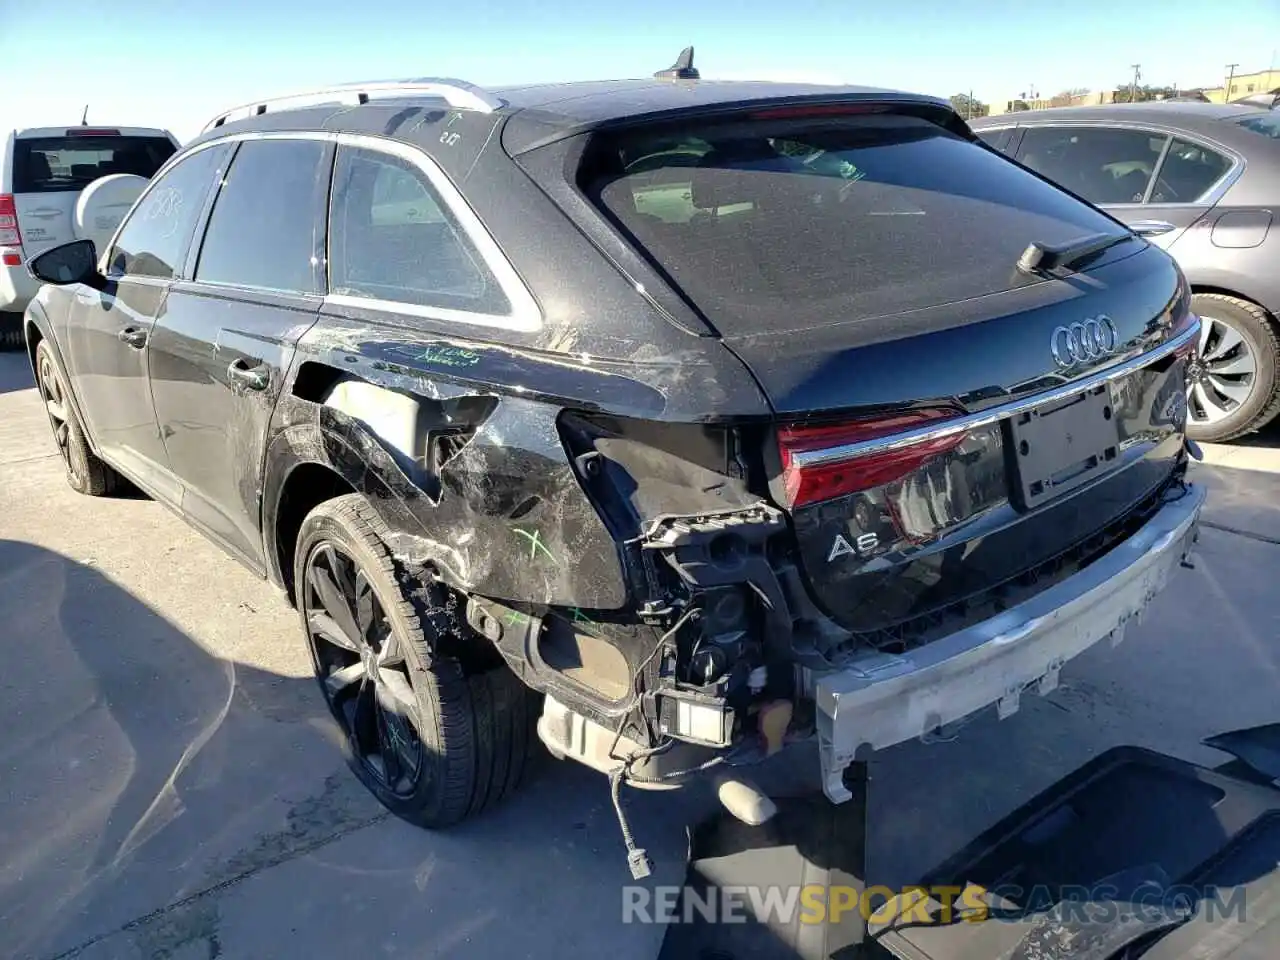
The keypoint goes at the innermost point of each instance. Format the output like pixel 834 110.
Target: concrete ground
pixel 169 786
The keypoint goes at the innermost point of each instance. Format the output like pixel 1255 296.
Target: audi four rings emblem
pixel 1093 339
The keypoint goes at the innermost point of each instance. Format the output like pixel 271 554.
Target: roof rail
pixel 457 93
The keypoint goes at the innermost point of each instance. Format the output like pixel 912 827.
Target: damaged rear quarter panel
pixel 507 517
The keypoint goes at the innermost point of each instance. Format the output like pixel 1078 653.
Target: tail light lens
pixel 816 467
pixel 10 236
pixel 1192 346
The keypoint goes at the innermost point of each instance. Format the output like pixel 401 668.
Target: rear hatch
pixel 52 166
pixel 862 260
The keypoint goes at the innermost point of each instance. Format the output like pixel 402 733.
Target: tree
pixel 1144 93
pixel 1068 97
pixel 969 107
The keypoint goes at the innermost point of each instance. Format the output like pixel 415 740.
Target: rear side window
pixel 392 238
pixel 1267 124
pixel 790 224
pixel 1102 164
pixel 56 164
pixel 262 232
pixel 996 139
pixel 1188 172
pixel 154 240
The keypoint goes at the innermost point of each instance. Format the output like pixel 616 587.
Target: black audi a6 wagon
pixel 675 421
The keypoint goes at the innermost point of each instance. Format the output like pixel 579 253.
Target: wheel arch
pixel 1215 289
pixel 38 329
pixel 304 487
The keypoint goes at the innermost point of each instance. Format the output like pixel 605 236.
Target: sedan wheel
pixel 1232 380
pixel 1223 375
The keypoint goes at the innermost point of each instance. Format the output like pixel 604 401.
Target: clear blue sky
pixel 146 62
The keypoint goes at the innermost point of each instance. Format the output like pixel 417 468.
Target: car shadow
pixel 146 778
pixel 138 767
pixel 1268 438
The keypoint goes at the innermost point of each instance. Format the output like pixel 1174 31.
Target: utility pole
pixel 969 105
pixel 1133 87
pixel 1231 75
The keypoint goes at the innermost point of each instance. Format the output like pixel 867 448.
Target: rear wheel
pixel 434 741
pixel 86 473
pixel 1232 382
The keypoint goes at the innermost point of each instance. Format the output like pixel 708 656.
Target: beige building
pixel 1015 104
pixel 1243 84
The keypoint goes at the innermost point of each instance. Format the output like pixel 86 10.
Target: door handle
pixel 133 337
pixel 1151 228
pixel 255 378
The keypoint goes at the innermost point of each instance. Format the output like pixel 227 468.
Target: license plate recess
pixel 1059 446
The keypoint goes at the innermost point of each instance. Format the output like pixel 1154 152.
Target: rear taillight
pixel 10 235
pixel 822 462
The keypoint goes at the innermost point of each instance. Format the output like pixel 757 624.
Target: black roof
pixel 550 110
pixel 596 101
pixel 547 112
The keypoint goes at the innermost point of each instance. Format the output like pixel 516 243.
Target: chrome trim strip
pixel 525 316
pixel 984 418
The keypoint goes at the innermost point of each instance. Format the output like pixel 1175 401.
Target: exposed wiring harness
pixel 637 859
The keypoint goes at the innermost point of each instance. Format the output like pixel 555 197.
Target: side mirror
pixel 75 262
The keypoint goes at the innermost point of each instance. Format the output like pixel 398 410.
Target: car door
pixel 1116 168
pixel 107 333
pixel 225 340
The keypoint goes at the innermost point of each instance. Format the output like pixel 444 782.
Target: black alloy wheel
pixel 362 669
pixel 86 473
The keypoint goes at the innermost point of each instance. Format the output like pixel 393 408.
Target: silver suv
pixel 45 173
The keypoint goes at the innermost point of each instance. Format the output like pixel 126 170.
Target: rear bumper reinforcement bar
pixel 879 699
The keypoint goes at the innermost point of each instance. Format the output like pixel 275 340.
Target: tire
pixel 473 724
pixel 86 472
pixel 11 336
pixel 1212 415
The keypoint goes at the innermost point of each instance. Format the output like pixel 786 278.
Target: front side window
pixel 157 234
pixel 262 231
pixel 392 238
pixel 1188 172
pixel 1102 164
